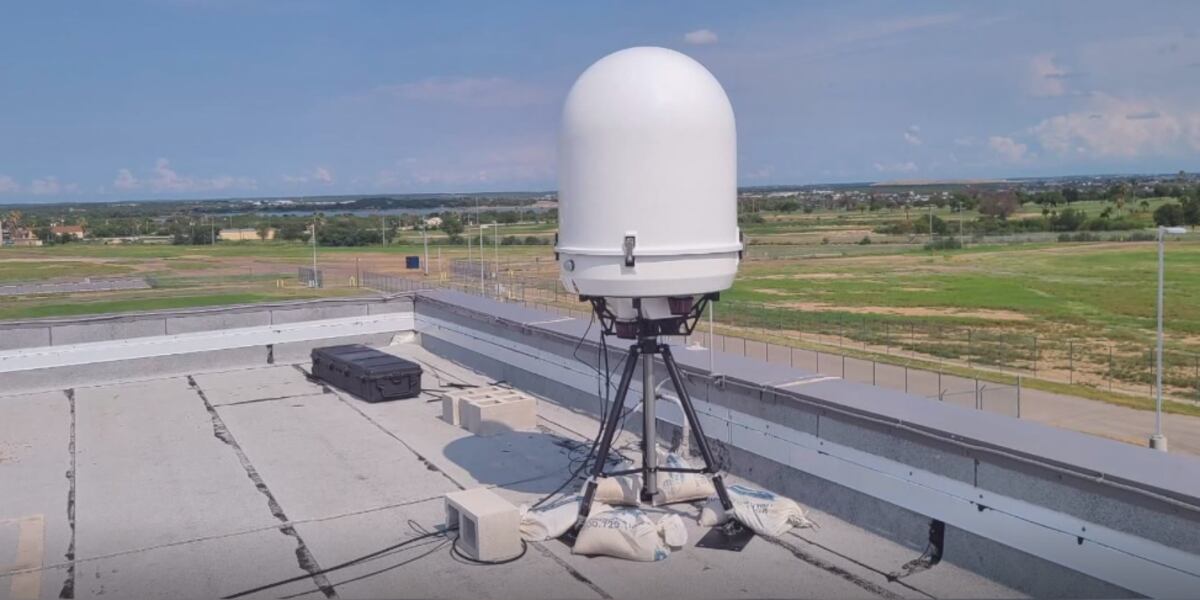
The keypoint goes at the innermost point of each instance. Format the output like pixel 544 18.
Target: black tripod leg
pixel 690 412
pixel 610 430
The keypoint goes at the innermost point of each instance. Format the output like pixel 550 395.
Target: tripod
pixel 645 348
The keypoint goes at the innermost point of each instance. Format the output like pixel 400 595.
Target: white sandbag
pixel 625 490
pixel 554 519
pixel 681 487
pixel 763 512
pixel 630 534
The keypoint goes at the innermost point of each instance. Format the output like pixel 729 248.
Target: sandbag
pixel 763 512
pixel 554 519
pixel 625 490
pixel 630 534
pixel 681 487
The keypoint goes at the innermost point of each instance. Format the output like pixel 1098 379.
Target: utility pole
pixel 383 229
pixel 212 232
pixel 930 220
pixel 481 288
pixel 425 241
pixel 315 279
pixel 496 237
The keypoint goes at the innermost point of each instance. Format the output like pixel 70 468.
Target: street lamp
pixel 1158 441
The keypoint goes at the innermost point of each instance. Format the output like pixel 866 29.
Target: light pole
pixel 1158 441
pixel 425 241
pixel 316 281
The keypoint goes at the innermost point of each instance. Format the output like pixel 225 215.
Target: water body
pixel 377 212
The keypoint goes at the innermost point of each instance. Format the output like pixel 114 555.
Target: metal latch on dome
pixel 630 242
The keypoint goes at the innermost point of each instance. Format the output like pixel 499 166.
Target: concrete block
pixel 493 415
pixel 488 525
pixel 452 400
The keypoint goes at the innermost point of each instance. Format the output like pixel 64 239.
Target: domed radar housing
pixel 647 179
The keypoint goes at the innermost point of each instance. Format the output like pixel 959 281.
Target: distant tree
pixel 452 226
pixel 262 229
pixel 1000 205
pixel 1191 212
pixel 1070 195
pixel 292 230
pixel 1169 215
pixel 1068 219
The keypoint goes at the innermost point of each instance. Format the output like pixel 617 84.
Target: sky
pixel 110 101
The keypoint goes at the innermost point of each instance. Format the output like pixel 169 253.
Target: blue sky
pixel 177 99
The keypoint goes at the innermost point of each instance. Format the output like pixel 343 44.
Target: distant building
pixel 20 236
pixel 433 222
pixel 75 231
pixel 246 234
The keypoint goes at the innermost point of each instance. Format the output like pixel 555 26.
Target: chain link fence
pixel 918 357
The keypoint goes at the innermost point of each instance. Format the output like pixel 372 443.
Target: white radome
pixel 647 150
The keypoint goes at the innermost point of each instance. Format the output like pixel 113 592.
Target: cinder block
pixel 451 402
pixel 493 415
pixel 488 525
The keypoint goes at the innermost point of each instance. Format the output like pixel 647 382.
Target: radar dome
pixel 647 179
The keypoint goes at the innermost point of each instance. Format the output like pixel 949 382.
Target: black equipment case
pixel 366 372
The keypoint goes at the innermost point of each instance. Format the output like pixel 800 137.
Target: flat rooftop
pixel 210 483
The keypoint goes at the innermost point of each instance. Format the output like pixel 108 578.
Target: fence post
pixel 970 344
pixel 1110 367
pixel 1071 361
pixel 905 379
pixel 978 400
pixel 940 389
pixel 1196 367
pixel 818 352
pixel 843 366
pixel 1035 356
pixel 1018 396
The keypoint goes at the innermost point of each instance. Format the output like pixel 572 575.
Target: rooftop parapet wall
pixel 1072 514
pixel 34 333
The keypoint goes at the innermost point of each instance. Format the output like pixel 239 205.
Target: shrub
pixel 946 243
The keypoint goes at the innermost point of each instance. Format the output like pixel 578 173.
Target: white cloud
pixel 486 92
pixel 1008 149
pixel 317 175
pixel 167 179
pixel 896 167
pixel 50 186
pixel 125 180
pixel 1046 77
pixel 965 142
pixel 1110 127
pixel 700 37
pixel 880 29
pixel 507 162
pixel 912 135
pixel 8 184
